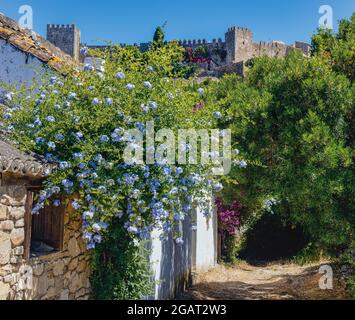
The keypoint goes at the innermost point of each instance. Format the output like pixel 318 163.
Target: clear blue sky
pixel 129 21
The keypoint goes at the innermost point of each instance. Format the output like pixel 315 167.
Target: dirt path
pixel 273 281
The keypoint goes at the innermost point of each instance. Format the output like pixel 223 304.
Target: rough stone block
pixel 17 237
pixel 7 225
pixel 20 223
pixel 3 212
pixel 17 213
pixel 4 290
pixel 5 248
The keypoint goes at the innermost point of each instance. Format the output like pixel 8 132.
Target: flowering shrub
pixel 229 222
pixel 80 123
pixel 228 218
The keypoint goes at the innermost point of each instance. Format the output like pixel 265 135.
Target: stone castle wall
pixel 65 37
pixel 61 275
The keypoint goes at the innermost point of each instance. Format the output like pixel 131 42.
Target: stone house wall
pixel 62 275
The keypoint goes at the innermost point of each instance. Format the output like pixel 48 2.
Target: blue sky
pixel 134 21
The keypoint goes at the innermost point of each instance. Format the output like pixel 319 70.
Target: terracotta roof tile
pixel 15 161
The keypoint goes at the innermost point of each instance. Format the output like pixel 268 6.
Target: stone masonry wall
pixel 61 275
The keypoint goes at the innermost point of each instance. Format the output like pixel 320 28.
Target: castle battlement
pixel 61 26
pixel 237 47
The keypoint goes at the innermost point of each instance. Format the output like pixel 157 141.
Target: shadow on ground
pixel 272 282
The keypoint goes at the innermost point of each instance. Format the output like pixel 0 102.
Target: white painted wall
pixel 206 241
pixel 173 264
pixel 17 66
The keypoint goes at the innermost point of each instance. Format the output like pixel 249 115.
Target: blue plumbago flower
pixel 66 104
pixel 104 139
pixel 88 215
pixel 179 241
pixel 102 189
pixel 174 190
pixel 147 85
pixel 76 119
pixel 84 51
pixel 135 194
pixel 89 67
pixel 97 238
pixel 217 187
pixel 99 158
pixel 82 166
pixel 120 75
pixel 56 92
pixel 55 189
pixel 67 183
pixel 63 165
pixel 87 236
pixel 109 101
pixel 40 140
pixel 110 182
pixel 50 119
pixel 145 108
pixel 72 95
pixel 7 115
pixel 217 115
pixel 179 171
pixel 179 217
pixel 96 101
pixel 51 145
pixel 201 91
pixel 100 68
pixel 90 246
pixel 79 135
pixel 59 137
pixel 38 101
pixel 76 205
pixel 78 155
pixel 140 126
pixel 88 198
pixel 153 105
pixel 56 203
pixel 132 229
pixel 96 227
pixel 130 86
pixel 53 80
pixel 243 164
pixel 100 75
pixel 37 122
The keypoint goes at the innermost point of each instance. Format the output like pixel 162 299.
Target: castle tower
pixel 65 37
pixel 239 44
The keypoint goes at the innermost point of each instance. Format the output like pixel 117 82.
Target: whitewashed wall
pixel 174 264
pixel 17 66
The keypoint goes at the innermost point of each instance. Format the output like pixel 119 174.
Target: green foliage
pixel 120 268
pixel 337 49
pixel 159 36
pixel 291 115
pixel 201 52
